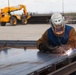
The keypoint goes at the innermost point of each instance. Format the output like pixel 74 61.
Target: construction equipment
pixel 7 17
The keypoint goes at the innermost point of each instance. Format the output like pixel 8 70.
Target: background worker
pixel 58 37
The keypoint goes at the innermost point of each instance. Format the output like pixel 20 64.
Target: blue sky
pixel 43 6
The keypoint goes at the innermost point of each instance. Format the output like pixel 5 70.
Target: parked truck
pixel 7 17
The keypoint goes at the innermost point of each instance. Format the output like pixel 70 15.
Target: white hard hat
pixel 57 20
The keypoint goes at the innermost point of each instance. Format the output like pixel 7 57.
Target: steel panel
pixel 14 61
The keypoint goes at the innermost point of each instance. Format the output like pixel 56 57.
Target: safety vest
pixel 56 41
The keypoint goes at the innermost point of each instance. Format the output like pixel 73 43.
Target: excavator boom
pixel 14 8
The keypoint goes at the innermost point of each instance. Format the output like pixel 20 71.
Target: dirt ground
pixel 24 32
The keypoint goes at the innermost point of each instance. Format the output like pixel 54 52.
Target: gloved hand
pixel 61 49
pixel 42 47
pixel 46 47
pixel 57 49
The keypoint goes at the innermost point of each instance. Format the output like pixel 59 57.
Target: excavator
pixel 7 17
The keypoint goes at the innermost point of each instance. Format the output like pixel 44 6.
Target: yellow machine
pixel 7 17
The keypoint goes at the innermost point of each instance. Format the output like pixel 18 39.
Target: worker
pixel 59 37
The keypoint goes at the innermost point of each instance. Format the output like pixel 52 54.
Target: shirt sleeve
pixel 72 38
pixel 43 39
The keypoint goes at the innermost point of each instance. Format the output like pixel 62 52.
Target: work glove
pixel 43 47
pixel 62 49
pixel 57 49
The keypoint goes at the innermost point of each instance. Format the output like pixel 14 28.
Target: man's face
pixel 58 30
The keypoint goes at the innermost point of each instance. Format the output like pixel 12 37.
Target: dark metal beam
pixel 17 43
pixel 65 70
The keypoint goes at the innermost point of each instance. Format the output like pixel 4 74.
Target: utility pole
pixel 8 3
pixel 8 6
pixel 63 7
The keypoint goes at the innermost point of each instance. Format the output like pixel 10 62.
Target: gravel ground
pixel 24 32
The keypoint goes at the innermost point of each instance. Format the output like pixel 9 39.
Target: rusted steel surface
pixel 16 61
